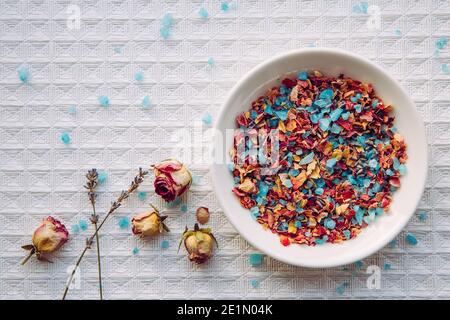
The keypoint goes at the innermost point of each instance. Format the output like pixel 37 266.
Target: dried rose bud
pixel 172 179
pixel 198 243
pixel 149 223
pixel 202 215
pixel 47 238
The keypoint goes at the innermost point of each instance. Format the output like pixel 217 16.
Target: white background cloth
pixel 39 175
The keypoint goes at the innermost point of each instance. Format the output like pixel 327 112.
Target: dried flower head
pixel 149 223
pixel 47 238
pixel 199 244
pixel 202 215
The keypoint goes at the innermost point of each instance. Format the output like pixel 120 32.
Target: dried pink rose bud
pixel 149 223
pixel 199 244
pixel 172 179
pixel 47 238
pixel 202 215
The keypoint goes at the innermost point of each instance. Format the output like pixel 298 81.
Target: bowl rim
pixel 415 114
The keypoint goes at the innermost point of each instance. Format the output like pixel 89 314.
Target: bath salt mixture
pixel 339 159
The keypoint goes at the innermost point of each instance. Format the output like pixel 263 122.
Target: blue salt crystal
pixel 142 195
pixel 139 76
pixel 83 224
pixel 124 223
pixel 165 244
pixel 23 74
pixel 102 176
pixel 104 101
pixel 146 102
pixel 411 239
pixel 203 13
pixel 255 259
pixel 65 138
pixel 207 119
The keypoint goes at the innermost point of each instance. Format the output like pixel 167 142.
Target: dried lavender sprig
pixel 91 184
pixel 114 206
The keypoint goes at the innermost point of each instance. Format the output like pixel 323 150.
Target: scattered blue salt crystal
pixel 331 162
pixel 75 228
pixel 203 13
pixel 83 224
pixel 398 32
pixel 224 6
pixel 167 20
pixel 104 101
pixel 139 76
pixel 373 163
pixel 146 102
pixel 184 208
pixel 164 32
pixel 24 74
pixel 341 288
pixel 142 195
pixel 386 266
pixel 445 68
pixel 441 43
pixel 411 239
pixel 124 223
pixel 302 75
pixel 393 244
pixel 364 6
pixel 102 176
pixel 195 179
pixel 135 250
pixel 320 241
pixel 402 169
pixel 314 118
pixel 319 191
pixel 207 119
pixel 254 212
pixel 65 138
pixel 423 216
pixel 287 183
pixel 335 114
pixel 165 244
pixel 117 50
pixel 347 234
pixel 326 94
pixel 324 124
pixel 361 7
pixel 345 115
pixel 282 114
pixel 72 109
pixel 307 159
pixel 254 283
pixel 255 259
pixel 358 108
pixel 359 264
pixel 395 163
pixel 230 167
pixel 211 62
pixel 330 224
pixel 173 203
pixel 335 128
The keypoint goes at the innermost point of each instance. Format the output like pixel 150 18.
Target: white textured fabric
pixel 39 175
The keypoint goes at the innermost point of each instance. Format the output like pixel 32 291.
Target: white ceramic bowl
pixel 331 62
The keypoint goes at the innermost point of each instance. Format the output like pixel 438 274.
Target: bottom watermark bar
pixel 217 309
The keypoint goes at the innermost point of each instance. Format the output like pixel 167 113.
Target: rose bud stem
pixel 30 254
